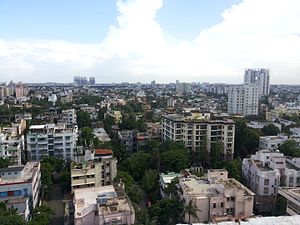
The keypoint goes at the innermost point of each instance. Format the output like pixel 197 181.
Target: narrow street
pixel 57 205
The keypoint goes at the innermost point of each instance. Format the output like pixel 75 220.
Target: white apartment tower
pixel 260 78
pixel 243 99
pixel 51 140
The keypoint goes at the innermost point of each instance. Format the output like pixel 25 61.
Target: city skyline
pixel 139 40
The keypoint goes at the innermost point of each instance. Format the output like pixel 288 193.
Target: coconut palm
pixel 191 209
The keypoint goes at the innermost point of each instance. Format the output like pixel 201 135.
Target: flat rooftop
pixel 282 220
pixel 85 200
pixel 28 171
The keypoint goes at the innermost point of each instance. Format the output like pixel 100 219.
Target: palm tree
pixel 191 209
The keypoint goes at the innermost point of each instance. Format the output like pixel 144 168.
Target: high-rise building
pixel 243 99
pixel 92 81
pixel 259 77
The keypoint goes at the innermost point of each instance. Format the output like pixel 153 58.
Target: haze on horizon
pixel 142 40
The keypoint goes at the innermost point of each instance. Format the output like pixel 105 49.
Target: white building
pixel 243 99
pixel 51 140
pixel 265 171
pixel 260 78
pixel 217 198
pixel 20 187
pixel 272 142
pixel 12 148
pixel 101 134
pixel 197 129
pixel 106 205
pixel 69 117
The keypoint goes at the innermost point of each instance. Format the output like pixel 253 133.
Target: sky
pixel 145 40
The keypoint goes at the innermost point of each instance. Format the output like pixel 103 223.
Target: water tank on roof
pixel 102 199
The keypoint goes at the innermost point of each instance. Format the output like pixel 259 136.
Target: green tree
pixel 246 139
pixel 137 164
pixel 216 155
pixel 234 168
pixel 41 215
pixel 191 210
pixel 150 184
pixel 83 119
pixel 270 129
pixel 174 160
pixel 9 216
pixel 134 191
pixel 167 211
pixel 171 189
pixel 145 219
pixel 87 136
pixel 4 162
pixel 290 148
pixel 280 206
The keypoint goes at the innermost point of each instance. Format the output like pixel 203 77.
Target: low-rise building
pixel 265 172
pixel 154 130
pixel 101 134
pixel 20 187
pixel 106 205
pixel 217 198
pixel 97 168
pixel 272 142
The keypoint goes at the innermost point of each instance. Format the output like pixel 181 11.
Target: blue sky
pixel 142 40
pixel 88 21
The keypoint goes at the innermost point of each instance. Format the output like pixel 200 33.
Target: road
pixel 57 205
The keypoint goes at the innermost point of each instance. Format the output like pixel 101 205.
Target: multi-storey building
pixel 271 142
pixel 69 117
pixel 197 129
pixel 265 171
pixel 243 99
pixel 12 148
pixel 97 168
pixel 260 78
pixel 20 187
pixel 217 198
pixel 51 140
pixel 106 205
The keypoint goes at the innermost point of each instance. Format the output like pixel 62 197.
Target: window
pixel 92 166
pixel 214 205
pixel 266 190
pixel 266 182
pixel 222 204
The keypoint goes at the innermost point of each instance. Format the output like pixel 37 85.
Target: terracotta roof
pixel 103 152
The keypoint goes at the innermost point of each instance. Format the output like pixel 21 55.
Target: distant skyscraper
pixel 259 77
pixel 243 99
pixel 80 81
pixel 153 84
pixel 92 81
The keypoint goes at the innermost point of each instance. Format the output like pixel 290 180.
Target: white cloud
pixel 254 33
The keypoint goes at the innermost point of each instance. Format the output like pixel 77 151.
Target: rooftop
pixel 85 200
pixel 28 171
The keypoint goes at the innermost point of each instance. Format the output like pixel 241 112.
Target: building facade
pixel 51 140
pixel 243 100
pixel 260 78
pixel 218 197
pixel 105 205
pixel 96 170
pixel 20 187
pixel 198 129
pixel 265 172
